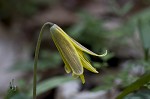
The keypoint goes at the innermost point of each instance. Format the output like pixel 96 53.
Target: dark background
pixel 120 26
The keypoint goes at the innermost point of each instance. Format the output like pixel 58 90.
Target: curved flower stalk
pixel 72 53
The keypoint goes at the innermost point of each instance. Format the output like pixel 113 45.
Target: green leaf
pixel 20 96
pixel 51 83
pixel 142 20
pixel 12 91
pixel 144 27
pixel 142 94
pixel 126 8
pixel 135 85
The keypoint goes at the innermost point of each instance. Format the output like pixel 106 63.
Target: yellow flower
pixel 72 53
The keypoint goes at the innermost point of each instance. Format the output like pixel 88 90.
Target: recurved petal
pixel 86 64
pixel 67 49
pixel 82 78
pixel 82 48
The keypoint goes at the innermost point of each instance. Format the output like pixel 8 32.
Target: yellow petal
pixel 75 76
pixel 82 48
pixel 82 78
pixel 67 49
pixel 86 64
pixel 67 69
pixel 78 45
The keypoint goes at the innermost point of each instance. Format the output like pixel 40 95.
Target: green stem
pixel 36 57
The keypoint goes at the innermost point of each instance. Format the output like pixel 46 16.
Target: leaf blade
pixel 135 85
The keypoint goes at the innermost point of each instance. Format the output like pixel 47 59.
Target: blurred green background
pixel 120 26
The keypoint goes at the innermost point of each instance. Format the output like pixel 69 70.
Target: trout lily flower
pixel 72 53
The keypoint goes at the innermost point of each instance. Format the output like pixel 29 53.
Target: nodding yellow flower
pixel 72 53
